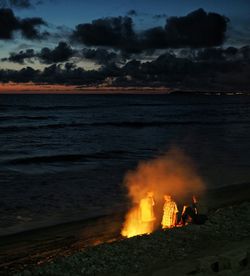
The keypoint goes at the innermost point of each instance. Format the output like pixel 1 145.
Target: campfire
pixel 154 188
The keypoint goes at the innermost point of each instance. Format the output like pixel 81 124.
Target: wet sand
pixel 35 247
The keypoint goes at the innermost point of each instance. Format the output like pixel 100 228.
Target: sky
pixel 70 13
pixel 117 43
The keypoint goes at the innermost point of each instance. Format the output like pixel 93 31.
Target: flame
pixel 170 174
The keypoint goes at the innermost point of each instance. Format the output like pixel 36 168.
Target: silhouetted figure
pixel 170 211
pixel 195 213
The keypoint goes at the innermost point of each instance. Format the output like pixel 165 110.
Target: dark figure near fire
pixel 195 213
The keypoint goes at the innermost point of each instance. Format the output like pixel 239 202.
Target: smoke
pixel 172 173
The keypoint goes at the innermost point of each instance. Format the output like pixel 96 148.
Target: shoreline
pixel 213 196
pixel 38 246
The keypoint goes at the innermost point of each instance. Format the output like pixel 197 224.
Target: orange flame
pixel 171 174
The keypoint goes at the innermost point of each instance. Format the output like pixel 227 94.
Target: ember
pixel 169 176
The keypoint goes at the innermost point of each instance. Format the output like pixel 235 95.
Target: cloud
pixel 24 75
pixel 20 57
pixel 20 4
pixel 159 16
pixel 218 54
pixel 197 29
pixel 116 32
pixel 28 27
pixel 24 4
pixel 100 56
pixel 61 53
pixel 220 68
pixel 132 13
pixel 164 69
pixel 8 23
pixel 29 30
pixel 39 2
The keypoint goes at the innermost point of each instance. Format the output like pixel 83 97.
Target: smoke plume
pixel 171 174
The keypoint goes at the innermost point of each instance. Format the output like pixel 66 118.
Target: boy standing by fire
pixel 170 211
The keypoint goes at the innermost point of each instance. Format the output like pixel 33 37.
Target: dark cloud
pixel 29 30
pixel 21 56
pixel 132 13
pixel 211 54
pixel 100 56
pixel 197 29
pixel 54 74
pixel 154 38
pixel 24 75
pixel 8 23
pixel 159 16
pixel 61 53
pixel 246 53
pixel 116 32
pixel 166 70
pixel 28 27
pixel 20 3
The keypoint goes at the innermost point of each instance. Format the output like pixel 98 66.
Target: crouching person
pixel 195 213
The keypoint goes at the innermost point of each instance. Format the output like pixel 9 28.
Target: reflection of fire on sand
pixel 38 246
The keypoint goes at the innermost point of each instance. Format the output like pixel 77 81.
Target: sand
pixel 192 249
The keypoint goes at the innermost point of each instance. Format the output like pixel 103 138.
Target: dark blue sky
pixel 73 12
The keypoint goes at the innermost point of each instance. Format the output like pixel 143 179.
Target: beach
pixel 124 138
pixel 95 247
pixel 64 159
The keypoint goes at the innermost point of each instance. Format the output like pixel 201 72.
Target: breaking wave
pixel 67 157
pixel 124 124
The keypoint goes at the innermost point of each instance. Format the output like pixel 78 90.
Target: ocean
pixel 63 157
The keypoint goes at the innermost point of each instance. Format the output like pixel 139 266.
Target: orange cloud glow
pixel 32 88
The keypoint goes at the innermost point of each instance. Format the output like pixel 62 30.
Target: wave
pixel 124 124
pixel 66 157
pixel 58 107
pixel 18 117
pixel 92 106
pixel 15 128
